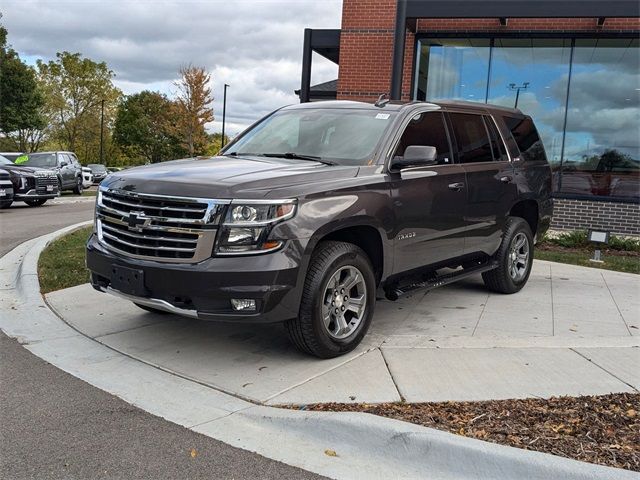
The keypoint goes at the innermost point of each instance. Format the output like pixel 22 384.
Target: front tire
pixel 514 257
pixel 78 188
pixel 6 204
pixel 338 301
pixel 35 202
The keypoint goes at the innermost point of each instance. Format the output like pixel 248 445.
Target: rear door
pixel 428 201
pixel 491 189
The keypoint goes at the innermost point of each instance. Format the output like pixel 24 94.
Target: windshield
pixel 41 160
pixel 95 168
pixel 346 137
pixel 5 161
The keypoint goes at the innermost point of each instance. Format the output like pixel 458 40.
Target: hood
pixel 22 170
pixel 227 177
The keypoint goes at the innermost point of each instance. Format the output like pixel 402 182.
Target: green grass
pixel 619 263
pixel 61 264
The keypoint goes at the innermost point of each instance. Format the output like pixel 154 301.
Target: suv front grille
pixel 158 227
pixel 44 180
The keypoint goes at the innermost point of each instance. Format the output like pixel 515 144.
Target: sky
pixel 255 46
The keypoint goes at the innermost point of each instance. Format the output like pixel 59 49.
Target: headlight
pixel 247 226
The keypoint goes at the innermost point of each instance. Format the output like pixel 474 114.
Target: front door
pixel 428 201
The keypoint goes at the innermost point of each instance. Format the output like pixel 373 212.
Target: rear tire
pixel 514 257
pixel 151 309
pixel 337 303
pixel 36 202
pixel 6 204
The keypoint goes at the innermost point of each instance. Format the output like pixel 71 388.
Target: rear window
pixel 526 136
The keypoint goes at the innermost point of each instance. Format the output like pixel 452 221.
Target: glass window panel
pixel 472 138
pixel 602 153
pixel 453 68
pixel 542 66
pixel 426 129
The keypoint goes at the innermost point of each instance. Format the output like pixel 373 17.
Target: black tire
pixel 78 188
pixel 500 279
pixel 151 309
pixel 59 186
pixel 6 204
pixel 36 202
pixel 307 332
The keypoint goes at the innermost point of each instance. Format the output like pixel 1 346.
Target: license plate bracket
pixel 128 280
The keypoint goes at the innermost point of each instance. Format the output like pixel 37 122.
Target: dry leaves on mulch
pixel 601 429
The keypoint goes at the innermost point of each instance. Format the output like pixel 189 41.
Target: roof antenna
pixel 382 100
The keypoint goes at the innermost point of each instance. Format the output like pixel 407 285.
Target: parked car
pixel 87 177
pixel 99 172
pixel 31 185
pixel 309 213
pixel 11 155
pixel 64 164
pixel 6 189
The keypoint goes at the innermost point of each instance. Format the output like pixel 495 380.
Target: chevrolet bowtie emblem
pixel 137 221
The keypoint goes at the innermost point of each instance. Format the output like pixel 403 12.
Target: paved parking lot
pixel 571 331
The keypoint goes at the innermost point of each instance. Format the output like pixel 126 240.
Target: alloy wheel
pixel 519 257
pixel 344 302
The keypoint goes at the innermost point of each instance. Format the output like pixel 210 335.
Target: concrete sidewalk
pixel 570 331
pixel 366 446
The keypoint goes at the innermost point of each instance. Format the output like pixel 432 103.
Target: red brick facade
pixel 366 43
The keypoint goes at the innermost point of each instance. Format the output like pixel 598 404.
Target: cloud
pixel 255 46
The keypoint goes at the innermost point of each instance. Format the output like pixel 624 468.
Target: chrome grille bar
pixel 157 227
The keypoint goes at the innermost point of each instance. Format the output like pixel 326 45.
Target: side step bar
pixel 396 291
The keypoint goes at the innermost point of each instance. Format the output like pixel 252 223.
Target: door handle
pixel 506 179
pixel 456 186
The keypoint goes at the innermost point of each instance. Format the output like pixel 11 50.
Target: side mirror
pixel 415 156
pixel 63 163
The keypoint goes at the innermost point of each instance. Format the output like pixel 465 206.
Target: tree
pixel 215 143
pixel 143 127
pixel 192 108
pixel 21 100
pixel 75 88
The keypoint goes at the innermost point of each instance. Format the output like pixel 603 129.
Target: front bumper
pixel 204 290
pixel 33 194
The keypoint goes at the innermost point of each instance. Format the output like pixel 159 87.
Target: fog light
pixel 239 304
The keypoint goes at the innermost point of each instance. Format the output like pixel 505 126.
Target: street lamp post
pixel 102 132
pixel 224 112
pixel 517 88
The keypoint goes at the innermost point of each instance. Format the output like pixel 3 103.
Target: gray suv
pixel 65 164
pixel 319 208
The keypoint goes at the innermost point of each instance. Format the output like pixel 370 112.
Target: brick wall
pixel 366 44
pixel 620 218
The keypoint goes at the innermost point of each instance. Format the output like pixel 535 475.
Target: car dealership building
pixel 573 65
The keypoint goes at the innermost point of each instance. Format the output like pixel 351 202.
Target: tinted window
pixel 499 150
pixel 426 129
pixel 472 138
pixel 526 136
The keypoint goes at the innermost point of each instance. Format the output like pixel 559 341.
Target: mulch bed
pixel 601 429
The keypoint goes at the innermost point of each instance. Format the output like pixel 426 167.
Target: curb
pixel 366 446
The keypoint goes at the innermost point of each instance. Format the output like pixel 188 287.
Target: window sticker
pixel 382 116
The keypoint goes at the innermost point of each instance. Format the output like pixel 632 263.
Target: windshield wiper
pixel 296 156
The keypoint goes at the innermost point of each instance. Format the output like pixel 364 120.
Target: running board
pixel 396 292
